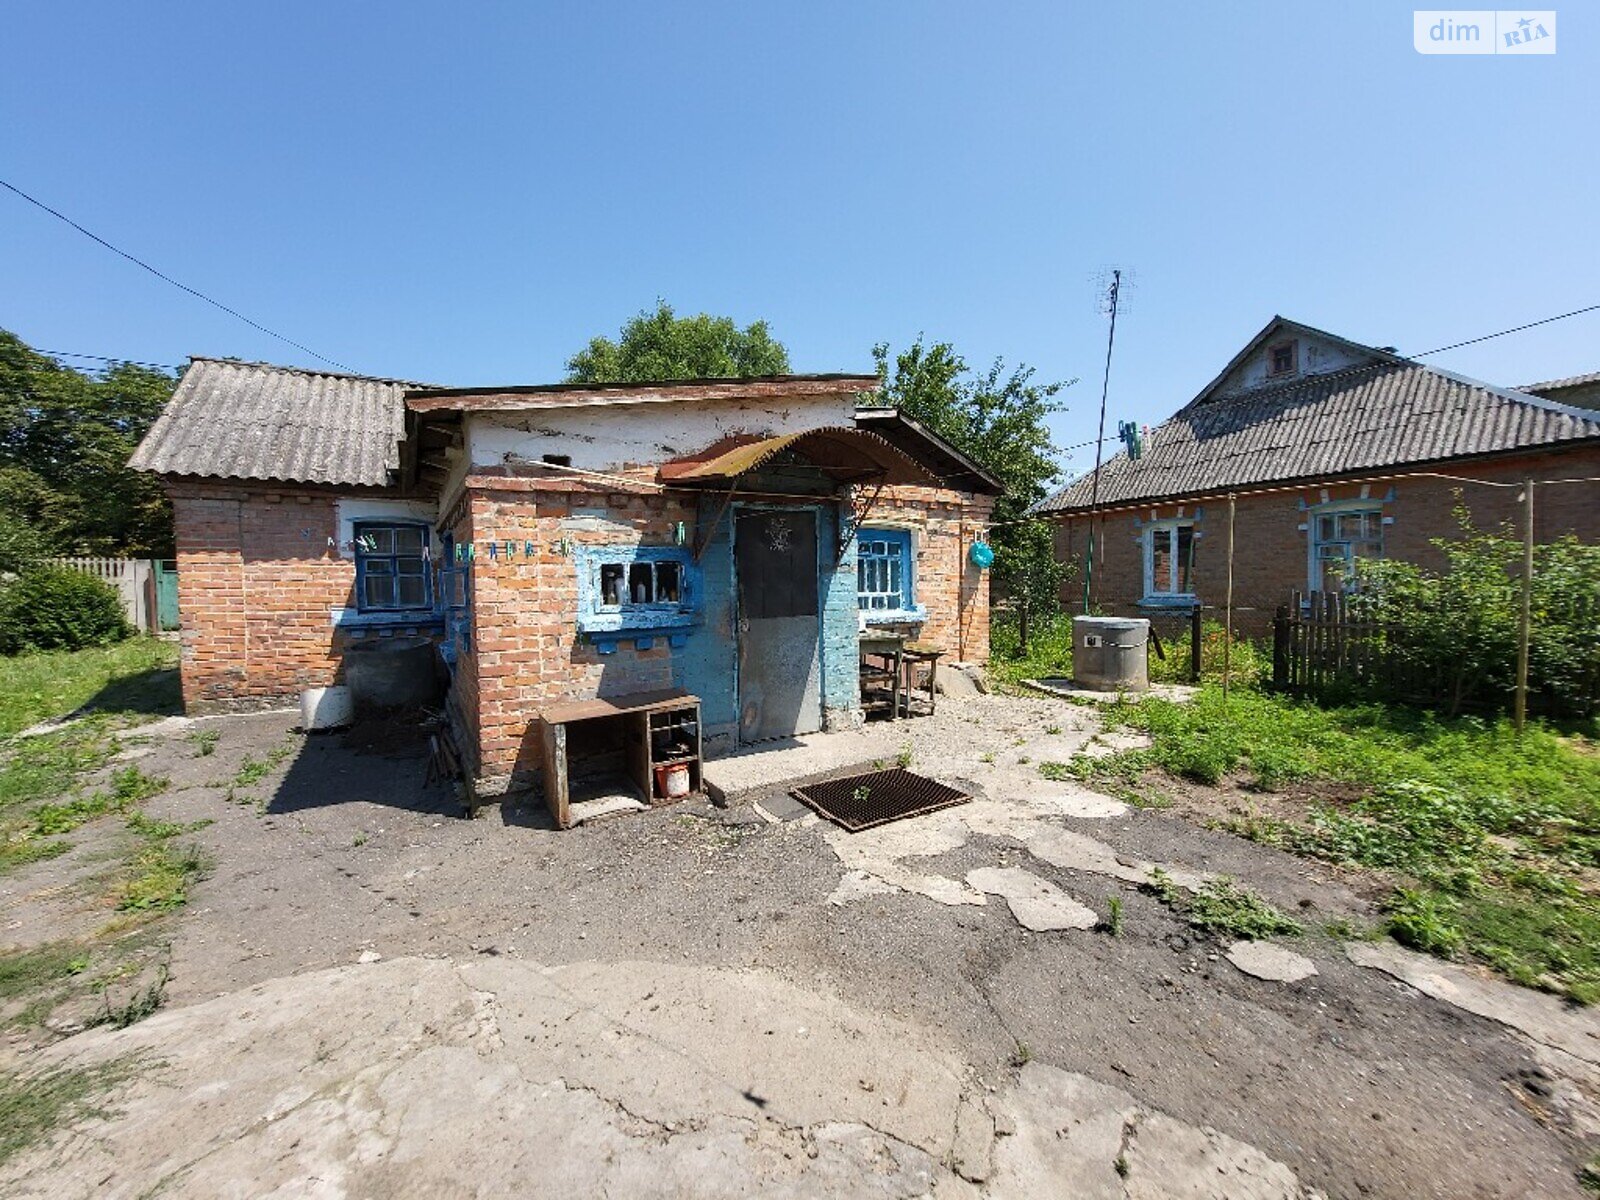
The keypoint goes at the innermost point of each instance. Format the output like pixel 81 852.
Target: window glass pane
pixel 413 590
pixel 1161 560
pixel 379 592
pixel 378 566
pixel 641 584
pixel 611 584
pixel 668 583
pixel 376 539
pixel 1184 548
pixel 408 539
pixel 409 566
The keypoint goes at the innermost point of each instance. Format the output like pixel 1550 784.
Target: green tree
pixel 662 345
pixel 65 438
pixel 999 418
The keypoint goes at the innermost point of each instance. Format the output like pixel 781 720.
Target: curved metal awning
pixel 843 454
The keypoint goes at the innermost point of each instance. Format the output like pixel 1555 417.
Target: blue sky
pixel 465 194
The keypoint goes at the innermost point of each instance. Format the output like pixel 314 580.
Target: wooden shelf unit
pixel 671 717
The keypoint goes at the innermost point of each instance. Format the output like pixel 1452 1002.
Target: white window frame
pixel 1168 529
pixel 1371 509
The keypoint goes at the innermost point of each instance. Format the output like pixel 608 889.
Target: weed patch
pixel 34 1106
pixel 1224 908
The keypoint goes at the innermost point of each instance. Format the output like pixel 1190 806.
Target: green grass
pixel 1490 838
pixel 160 877
pixel 33 1106
pixel 138 676
pixel 1050 652
pixel 33 969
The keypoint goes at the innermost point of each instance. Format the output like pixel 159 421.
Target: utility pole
pixel 1227 629
pixel 1100 437
pixel 1524 624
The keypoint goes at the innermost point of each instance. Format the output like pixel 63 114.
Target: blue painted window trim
pixel 363 558
pixel 455 610
pixel 598 619
pixel 899 543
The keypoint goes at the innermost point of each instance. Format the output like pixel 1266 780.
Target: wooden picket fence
pixel 1321 646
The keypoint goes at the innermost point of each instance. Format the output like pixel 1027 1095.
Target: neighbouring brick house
pixel 563 542
pixel 1333 451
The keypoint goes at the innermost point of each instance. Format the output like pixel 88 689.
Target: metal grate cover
pixel 860 802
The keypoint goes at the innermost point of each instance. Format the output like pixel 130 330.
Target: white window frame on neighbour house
pixel 1169 591
pixel 1332 538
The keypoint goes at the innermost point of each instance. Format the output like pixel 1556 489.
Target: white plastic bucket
pixel 325 708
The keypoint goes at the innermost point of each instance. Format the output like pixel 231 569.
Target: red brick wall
pixel 525 635
pixel 1270 555
pixel 955 593
pixel 256 581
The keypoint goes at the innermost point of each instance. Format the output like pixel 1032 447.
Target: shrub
pixel 1457 629
pixel 55 608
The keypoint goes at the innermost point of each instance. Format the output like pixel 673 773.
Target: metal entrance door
pixel 780 660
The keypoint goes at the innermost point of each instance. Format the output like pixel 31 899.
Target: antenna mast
pixel 1113 297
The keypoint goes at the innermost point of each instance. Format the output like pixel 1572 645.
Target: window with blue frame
pixel 885 589
pixel 392 572
pixel 637 590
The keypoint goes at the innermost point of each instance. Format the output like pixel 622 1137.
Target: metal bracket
pixel 848 530
pixel 705 530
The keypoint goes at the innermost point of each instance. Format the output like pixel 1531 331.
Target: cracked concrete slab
pixel 1542 1017
pixel 1274 963
pixel 499 1076
pixel 1036 903
pixel 1071 1127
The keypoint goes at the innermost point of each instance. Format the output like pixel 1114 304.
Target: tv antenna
pixel 1110 286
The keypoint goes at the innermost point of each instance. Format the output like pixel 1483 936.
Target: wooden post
pixel 1525 621
pixel 1280 649
pixel 1195 643
pixel 1227 643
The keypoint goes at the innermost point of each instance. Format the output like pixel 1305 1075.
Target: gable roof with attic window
pixel 1350 408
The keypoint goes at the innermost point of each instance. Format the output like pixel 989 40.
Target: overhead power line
pixel 1577 312
pixel 107 358
pixel 199 295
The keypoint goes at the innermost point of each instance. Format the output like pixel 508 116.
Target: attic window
pixel 1283 359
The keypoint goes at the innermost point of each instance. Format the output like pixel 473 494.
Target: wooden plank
pixel 557 798
pixel 617 706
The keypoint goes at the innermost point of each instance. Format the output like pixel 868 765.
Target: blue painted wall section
pixel 706 665
pixel 841 672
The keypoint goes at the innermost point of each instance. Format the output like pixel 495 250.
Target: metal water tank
pixel 1110 654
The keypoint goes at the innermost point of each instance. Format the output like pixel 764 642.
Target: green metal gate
pixel 166 594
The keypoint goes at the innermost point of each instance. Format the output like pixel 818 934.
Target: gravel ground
pixel 1360 1084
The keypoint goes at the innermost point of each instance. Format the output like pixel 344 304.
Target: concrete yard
pixel 371 996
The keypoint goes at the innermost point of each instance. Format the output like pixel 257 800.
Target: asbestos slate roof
pixel 239 420
pixel 1388 413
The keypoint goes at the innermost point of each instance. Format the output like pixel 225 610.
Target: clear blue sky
pixel 466 194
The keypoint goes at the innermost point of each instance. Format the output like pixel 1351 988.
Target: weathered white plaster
pixel 362 508
pixel 1317 357
pixel 605 437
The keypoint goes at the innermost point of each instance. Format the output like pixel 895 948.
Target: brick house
pixel 563 542
pixel 1332 451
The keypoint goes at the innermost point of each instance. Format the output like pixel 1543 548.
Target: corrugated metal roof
pixel 847 453
pixel 1556 385
pixel 240 420
pixel 1383 414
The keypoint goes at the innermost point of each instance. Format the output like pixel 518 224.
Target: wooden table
pixel 891 648
pixel 644 714
pixel 914 655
